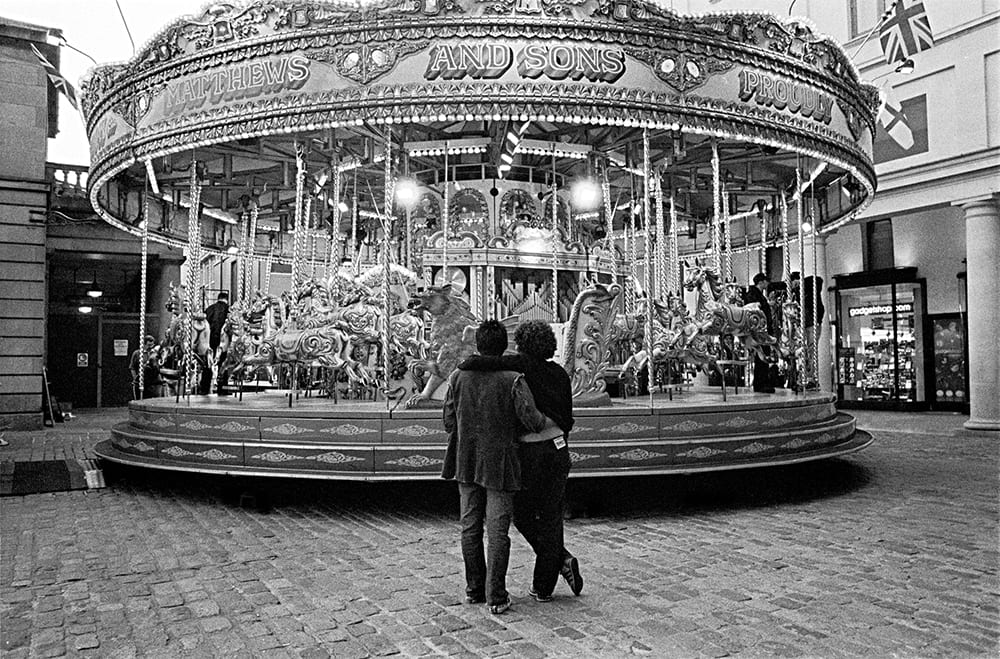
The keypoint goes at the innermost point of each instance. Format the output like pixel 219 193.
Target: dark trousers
pixel 538 509
pixel 761 372
pixel 485 575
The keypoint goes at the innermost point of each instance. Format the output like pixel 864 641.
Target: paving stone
pixel 888 552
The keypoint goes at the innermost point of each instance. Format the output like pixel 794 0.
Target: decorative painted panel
pixel 329 430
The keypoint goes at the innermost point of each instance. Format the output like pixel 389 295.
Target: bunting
pixel 57 79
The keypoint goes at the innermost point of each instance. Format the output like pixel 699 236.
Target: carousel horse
pixel 200 333
pixel 718 318
pixel 626 332
pixel 587 338
pixel 452 337
pixel 327 345
pixel 244 327
pixel 680 337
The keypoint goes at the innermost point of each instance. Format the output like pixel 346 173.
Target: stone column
pixel 982 252
pixel 825 340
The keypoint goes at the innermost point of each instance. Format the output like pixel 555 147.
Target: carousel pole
pixel 241 259
pixel 762 252
pixel 311 222
pixel 802 272
pixel 144 267
pixel 661 245
pixel 333 258
pixel 386 224
pixel 191 370
pixel 609 218
pixel 786 257
pixel 816 292
pixel 268 263
pixel 300 231
pixel 354 226
pixel 727 227
pixel 649 262
pixel 716 212
pixel 251 249
pixel 628 228
pixel 444 219
pixel 675 262
pixel 555 239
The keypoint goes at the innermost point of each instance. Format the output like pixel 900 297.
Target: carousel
pixel 369 181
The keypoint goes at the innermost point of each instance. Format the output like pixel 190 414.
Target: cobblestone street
pixel 891 551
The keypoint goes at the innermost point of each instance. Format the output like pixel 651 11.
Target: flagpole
pixel 885 15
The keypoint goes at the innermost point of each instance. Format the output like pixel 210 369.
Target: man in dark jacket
pixel 216 315
pixel 484 413
pixel 761 369
pixel 545 461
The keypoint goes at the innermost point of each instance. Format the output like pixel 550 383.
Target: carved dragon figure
pixel 452 337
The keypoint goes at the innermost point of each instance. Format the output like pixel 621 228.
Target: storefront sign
pixel 492 60
pixel 781 94
pixel 879 309
pixel 237 81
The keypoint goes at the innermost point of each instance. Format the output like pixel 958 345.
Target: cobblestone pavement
pixel 888 552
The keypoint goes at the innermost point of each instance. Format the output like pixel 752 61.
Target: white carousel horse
pixel 718 318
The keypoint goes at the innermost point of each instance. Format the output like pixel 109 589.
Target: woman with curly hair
pixel 544 455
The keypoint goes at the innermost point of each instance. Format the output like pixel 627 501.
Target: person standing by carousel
pixel 484 412
pixel 544 455
pixel 761 368
pixel 216 315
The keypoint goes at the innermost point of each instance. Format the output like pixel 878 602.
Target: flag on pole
pixel 894 120
pixel 905 31
pixel 57 79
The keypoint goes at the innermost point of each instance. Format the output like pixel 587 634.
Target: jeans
pixel 485 577
pixel 538 509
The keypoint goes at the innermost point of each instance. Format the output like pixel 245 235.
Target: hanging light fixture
pixel 93 290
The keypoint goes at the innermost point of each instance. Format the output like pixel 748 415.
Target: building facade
pixel 911 300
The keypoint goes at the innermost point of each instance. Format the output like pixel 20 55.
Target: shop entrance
pixel 881 342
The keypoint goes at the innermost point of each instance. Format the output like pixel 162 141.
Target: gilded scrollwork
pixel 680 70
pixel 365 62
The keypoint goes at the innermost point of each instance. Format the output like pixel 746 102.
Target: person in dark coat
pixel 484 413
pixel 544 456
pixel 216 314
pixel 812 289
pixel 761 368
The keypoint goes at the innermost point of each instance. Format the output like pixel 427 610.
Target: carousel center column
pixel 982 251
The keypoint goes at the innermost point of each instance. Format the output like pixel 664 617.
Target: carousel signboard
pixel 772 91
pixel 236 81
pixel 491 60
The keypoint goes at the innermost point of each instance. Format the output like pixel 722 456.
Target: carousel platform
pixel 261 435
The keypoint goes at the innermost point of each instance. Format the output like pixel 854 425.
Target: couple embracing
pixel 508 417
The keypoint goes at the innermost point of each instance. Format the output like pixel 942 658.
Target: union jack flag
pixel 57 79
pixel 905 31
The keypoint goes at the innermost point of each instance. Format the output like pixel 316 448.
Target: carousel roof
pixel 525 92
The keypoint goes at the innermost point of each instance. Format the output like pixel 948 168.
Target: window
pixel 878 245
pixel 864 15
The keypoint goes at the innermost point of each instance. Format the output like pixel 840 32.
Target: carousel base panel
pixel 261 435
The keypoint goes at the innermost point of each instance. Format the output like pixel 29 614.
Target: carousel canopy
pixel 516 93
